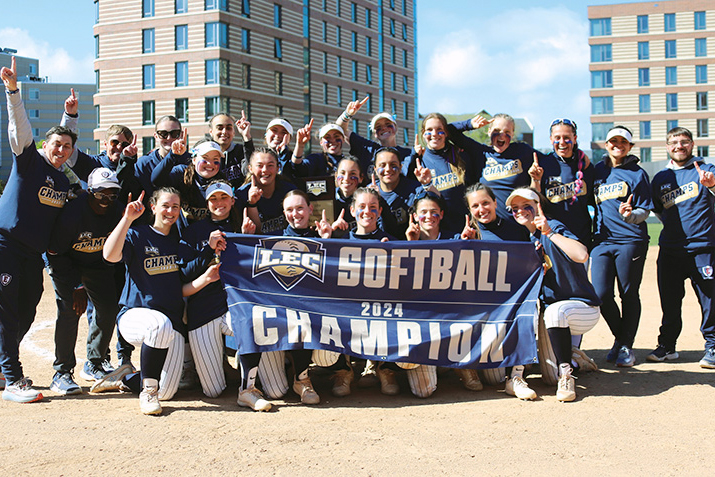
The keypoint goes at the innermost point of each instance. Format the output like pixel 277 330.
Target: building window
pixel 404 58
pixel 643 76
pixel 217 72
pixel 642 23
pixel 325 93
pixel 147 8
pixel 669 22
pixel 701 47
pixel 181 109
pixel 671 124
pixel 392 4
pixel 96 47
pixel 368 74
pixel 355 70
pixel 33 113
pixel 392 54
pixel 392 27
pixel 644 103
pixel 393 106
pixel 703 128
pixel 600 130
pixel 392 83
pixel 405 110
pixel 325 32
pixel 404 32
pixel 215 105
pixel 246 76
pixel 96 81
pixel 278 49
pixel 699 18
pixel 278 83
pixel 325 62
pixel 600 53
pixel 353 12
pixel 643 50
pixel 339 66
pixel 405 85
pixel 671 101
pixel 147 112
pixel 325 7
pixel 35 132
pixel 148 40
pixel 600 26
pixel 671 75
pixel 701 101
pixel 337 7
pixel 181 6
pixel 96 11
pixel 703 151
pixel 246 8
pixel 645 154
pixel 645 129
pixel 354 41
pixel 148 77
pixel 355 95
pixel 368 46
pixel 602 79
pixel 670 49
pixel 216 35
pixel 369 103
pixel 147 144
pixel 602 105
pixel 246 40
pixel 216 5
pixel 277 16
pixel 368 18
pixel 339 96
pixel 181 37
pixel 337 35
pixel 701 74
pixel 33 94
pixel 181 73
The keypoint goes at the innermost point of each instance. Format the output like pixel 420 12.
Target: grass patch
pixel 654 232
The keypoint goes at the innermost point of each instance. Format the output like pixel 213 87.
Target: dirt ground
pixel 637 421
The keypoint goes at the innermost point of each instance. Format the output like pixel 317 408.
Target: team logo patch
pixel 289 260
pixel 5 279
pixel 151 251
pixel 85 236
pixel 50 182
pixel 105 174
pixel 316 187
pixel 707 271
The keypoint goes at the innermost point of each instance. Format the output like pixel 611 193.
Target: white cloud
pixel 56 63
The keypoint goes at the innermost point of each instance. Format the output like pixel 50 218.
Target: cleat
pixel 341 382
pixel 661 353
pixel 566 391
pixel 304 389
pixel 470 379
pixel 583 362
pixel 111 381
pixel 62 383
pixel 149 398
pixel 518 387
pixel 92 372
pixel 388 381
pixel 626 357
pixel 21 391
pixel 253 398
pixel 708 360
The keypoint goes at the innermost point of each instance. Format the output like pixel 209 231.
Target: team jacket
pixel 270 210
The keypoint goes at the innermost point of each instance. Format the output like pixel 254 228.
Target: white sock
pixel 564 368
pixel 517 371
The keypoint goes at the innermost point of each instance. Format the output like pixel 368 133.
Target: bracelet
pixel 346 117
pixel 550 234
pixel 427 186
pixel 75 115
pixel 12 92
pixel 297 157
pixel 249 205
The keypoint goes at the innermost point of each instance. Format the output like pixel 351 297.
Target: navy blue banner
pixel 455 303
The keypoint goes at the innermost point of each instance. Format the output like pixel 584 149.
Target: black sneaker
pixel 661 353
pixel 92 372
pixel 62 383
pixel 708 360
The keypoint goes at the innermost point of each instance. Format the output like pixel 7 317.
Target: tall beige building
pixel 652 70
pixel 298 59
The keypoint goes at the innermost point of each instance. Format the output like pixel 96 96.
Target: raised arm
pixel 18 127
pixel 351 110
pixel 113 246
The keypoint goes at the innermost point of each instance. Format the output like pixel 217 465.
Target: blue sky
pixel 529 59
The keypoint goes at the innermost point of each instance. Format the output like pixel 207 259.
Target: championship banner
pixel 454 303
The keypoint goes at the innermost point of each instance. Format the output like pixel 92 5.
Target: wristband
pixel 12 92
pixel 249 205
pixel 346 116
pixel 550 234
pixel 298 157
pixel 75 115
pixel 427 186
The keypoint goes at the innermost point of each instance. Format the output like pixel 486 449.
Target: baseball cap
pixel 218 187
pixel 524 193
pixel 206 147
pixel 619 132
pixel 330 127
pixel 281 122
pixel 379 116
pixel 102 178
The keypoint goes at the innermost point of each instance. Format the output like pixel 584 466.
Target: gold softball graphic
pixel 291 246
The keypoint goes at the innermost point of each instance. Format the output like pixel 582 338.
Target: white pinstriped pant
pixel 144 325
pixel 423 380
pixel 576 315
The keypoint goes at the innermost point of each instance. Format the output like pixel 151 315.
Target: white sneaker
pixel 304 389
pixel 517 386
pixel 149 397
pixel 388 381
pixel 253 398
pixel 21 391
pixel 341 382
pixel 470 379
pixel 566 391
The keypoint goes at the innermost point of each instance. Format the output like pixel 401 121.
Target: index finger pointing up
pixel 697 167
pixel 536 160
pixel 539 209
pixel 73 95
pixel 364 100
pixel 630 199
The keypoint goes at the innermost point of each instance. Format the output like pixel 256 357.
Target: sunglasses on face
pixel 101 195
pixel 565 121
pixel 115 143
pixel 165 134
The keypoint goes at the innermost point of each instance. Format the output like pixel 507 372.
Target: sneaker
pixel 582 360
pixel 612 355
pixel 92 372
pixel 253 398
pixel 470 379
pixel 368 377
pixel 388 381
pixel 517 386
pixel 661 353
pixel 626 357
pixel 62 383
pixel 111 381
pixel 2 381
pixel 566 391
pixel 708 360
pixel 341 382
pixel 149 397
pixel 21 391
pixel 107 366
pixel 304 389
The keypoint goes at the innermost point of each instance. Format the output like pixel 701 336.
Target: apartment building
pixel 651 70
pixel 298 59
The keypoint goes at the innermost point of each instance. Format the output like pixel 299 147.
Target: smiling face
pixel 275 136
pixel 680 148
pixel 264 168
pixel 618 148
pixel 428 215
pixel 501 132
pixel 387 167
pixel 208 165
pixel 523 210
pixel 220 204
pixel 482 207
pixel 58 149
pixel 114 146
pixel 332 143
pixel 222 131
pixel 563 139
pixel 435 134
pixel 101 200
pixel 166 210
pixel 384 130
pixel 297 211
pixel 172 131
pixel 366 210
pixel 347 177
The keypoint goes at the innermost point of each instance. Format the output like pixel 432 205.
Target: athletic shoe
pixel 517 386
pixel 2 381
pixel 92 372
pixel 111 381
pixel 149 397
pixel 368 378
pixel 626 357
pixel 661 353
pixel 21 391
pixel 566 390
pixel 304 389
pixel 470 379
pixel 341 382
pixel 124 359
pixel 612 355
pixel 253 398
pixel 107 366
pixel 583 362
pixel 708 360
pixel 62 383
pixel 388 381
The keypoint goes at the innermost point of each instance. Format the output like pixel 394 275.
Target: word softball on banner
pixel 455 303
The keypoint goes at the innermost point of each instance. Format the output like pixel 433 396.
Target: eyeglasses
pixel 684 143
pixel 101 195
pixel 115 143
pixel 565 121
pixel 515 209
pixel 164 134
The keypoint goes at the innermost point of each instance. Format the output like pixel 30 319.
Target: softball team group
pixel 67 207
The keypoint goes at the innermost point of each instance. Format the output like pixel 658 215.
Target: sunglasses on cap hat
pixel 565 121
